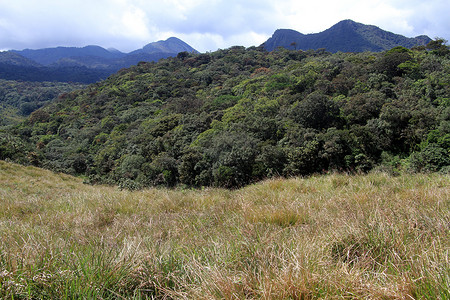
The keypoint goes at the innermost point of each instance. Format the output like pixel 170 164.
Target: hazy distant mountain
pixel 171 45
pixel 151 52
pixel 345 36
pixel 49 56
pixel 98 57
pixel 87 64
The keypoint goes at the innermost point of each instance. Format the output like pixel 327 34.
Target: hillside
pixel 18 99
pixel 237 116
pixel 345 36
pixel 322 237
pixel 14 59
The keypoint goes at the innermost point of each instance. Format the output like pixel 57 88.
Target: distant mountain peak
pixel 174 39
pixel 286 31
pixel 113 50
pixel 347 22
pixel 346 36
pixel 171 45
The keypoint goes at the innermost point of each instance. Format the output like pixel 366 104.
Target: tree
pixel 439 47
pixel 315 111
pixel 389 63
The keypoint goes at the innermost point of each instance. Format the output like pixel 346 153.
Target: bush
pixel 431 159
pixel 131 166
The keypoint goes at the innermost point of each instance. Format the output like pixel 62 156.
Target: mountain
pixel 171 45
pixel 98 57
pixel 48 56
pixel 345 36
pixel 86 65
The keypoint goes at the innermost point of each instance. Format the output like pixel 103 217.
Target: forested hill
pixel 235 116
pixel 18 99
pixel 345 36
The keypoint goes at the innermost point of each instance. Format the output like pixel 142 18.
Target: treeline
pixel 236 116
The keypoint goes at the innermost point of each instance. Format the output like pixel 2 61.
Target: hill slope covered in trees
pixel 18 99
pixel 235 116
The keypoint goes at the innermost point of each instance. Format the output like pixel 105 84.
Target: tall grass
pixel 333 236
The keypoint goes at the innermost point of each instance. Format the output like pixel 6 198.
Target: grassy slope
pixel 333 236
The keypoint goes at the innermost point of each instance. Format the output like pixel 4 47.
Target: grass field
pixel 330 237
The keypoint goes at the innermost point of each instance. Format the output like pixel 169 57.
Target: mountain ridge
pixel 86 64
pixel 50 56
pixel 47 56
pixel 93 63
pixel 344 36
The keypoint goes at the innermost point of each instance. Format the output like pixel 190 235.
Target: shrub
pixel 431 159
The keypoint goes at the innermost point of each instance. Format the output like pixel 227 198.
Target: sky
pixel 206 25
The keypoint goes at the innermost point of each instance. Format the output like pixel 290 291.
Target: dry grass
pixel 333 236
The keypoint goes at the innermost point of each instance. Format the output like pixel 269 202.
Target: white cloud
pixel 206 25
pixel 134 24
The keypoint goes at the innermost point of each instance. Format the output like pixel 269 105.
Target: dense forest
pixel 18 99
pixel 236 116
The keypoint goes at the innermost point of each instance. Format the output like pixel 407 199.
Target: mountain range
pixel 345 36
pixel 93 63
pixel 87 64
pixel 93 56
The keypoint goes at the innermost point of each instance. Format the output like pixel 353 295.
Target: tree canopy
pixel 235 116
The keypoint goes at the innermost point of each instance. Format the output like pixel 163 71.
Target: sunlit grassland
pixel 332 236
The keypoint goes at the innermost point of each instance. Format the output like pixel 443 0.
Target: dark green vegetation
pixel 236 116
pixel 19 99
pixel 345 36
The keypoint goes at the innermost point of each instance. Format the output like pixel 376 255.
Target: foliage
pixel 236 116
pixel 18 99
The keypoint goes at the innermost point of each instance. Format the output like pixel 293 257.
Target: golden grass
pixel 335 236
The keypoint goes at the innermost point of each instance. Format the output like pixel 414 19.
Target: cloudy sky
pixel 206 25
